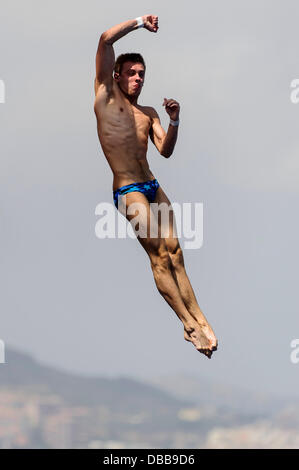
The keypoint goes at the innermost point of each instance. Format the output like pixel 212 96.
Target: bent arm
pixel 105 57
pixel 164 142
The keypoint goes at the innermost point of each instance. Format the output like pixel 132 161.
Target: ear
pixel 116 76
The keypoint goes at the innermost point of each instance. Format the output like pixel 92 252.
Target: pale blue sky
pixel 91 305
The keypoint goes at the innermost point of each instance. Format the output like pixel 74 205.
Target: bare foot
pixel 186 336
pixel 202 337
pixel 192 333
pixel 208 339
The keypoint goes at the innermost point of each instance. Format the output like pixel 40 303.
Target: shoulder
pixel 104 93
pixel 107 88
pixel 150 111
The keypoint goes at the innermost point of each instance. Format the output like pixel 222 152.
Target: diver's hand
pixel 172 108
pixel 150 22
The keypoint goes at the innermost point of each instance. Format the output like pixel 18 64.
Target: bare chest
pixel 117 112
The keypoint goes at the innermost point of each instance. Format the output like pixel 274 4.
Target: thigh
pixel 170 231
pixel 137 207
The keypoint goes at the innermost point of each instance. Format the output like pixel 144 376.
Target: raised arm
pixel 105 57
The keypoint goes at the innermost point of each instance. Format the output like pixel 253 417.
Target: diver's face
pixel 131 78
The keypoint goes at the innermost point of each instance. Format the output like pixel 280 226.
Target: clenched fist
pixel 172 108
pixel 150 22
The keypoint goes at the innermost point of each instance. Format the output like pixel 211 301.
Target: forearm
pixel 119 30
pixel 169 141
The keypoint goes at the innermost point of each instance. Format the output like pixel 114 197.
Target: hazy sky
pixel 90 305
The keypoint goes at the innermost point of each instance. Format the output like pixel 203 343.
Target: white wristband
pixel 174 123
pixel 140 23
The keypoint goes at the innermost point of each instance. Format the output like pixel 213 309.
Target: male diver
pixel 123 128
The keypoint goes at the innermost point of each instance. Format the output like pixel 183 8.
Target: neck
pixel 131 99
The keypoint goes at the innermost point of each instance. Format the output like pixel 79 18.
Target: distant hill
pixel 205 392
pixel 126 394
pixel 165 412
pixel 21 370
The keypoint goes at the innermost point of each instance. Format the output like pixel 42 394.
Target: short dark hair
pixel 128 57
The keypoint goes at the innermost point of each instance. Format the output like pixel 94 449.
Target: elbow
pixel 104 37
pixel 165 149
pixel 165 154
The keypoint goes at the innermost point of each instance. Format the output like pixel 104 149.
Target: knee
pixel 162 268
pixel 160 261
pixel 176 256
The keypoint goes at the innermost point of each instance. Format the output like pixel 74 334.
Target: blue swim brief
pixel 148 188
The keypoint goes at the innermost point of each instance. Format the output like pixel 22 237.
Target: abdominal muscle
pixel 128 162
pixel 123 132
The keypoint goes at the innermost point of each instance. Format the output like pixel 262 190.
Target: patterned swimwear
pixel 148 188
